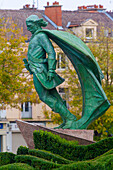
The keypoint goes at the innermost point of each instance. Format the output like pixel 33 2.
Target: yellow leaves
pixel 12 83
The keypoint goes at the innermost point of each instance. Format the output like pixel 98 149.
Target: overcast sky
pixel 67 4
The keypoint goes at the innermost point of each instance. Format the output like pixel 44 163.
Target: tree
pixel 103 51
pixel 16 85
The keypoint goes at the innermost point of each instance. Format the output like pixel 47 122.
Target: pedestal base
pixel 84 137
pixel 84 134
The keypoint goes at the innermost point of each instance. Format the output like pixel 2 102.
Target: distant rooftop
pixel 91 8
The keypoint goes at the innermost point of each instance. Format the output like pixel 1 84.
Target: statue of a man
pixel 43 68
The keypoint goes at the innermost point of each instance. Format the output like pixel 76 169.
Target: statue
pixel 46 80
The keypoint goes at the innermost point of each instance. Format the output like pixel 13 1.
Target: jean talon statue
pixel 46 79
pixel 43 69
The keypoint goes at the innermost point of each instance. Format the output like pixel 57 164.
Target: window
pixel 26 110
pixel 2 112
pixel 106 32
pixel 64 93
pixel 89 33
pixel 112 33
pixel 61 61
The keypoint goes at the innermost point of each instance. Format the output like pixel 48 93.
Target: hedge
pixel 36 162
pixel 16 166
pixel 47 141
pixel 6 158
pixel 49 156
pixel 24 159
pixel 76 166
pixel 22 150
pixel 44 140
pixel 108 153
pixel 103 163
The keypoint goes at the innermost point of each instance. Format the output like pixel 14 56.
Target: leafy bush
pixel 110 152
pixel 36 162
pixel 16 166
pixel 49 156
pixel 24 159
pixel 68 149
pixel 77 166
pixel 43 164
pixel 44 140
pixel 22 150
pixel 6 158
pixel 103 163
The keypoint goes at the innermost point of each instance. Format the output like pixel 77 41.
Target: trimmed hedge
pixel 24 159
pixel 16 166
pixel 68 149
pixel 103 163
pixel 49 156
pixel 6 158
pixel 48 141
pixel 36 162
pixel 108 153
pixel 22 150
pixel 77 166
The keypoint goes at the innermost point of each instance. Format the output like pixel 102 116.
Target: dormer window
pixel 89 33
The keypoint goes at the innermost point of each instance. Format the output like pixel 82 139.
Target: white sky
pixel 67 4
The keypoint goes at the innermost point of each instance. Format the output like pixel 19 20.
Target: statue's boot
pixel 63 118
pixel 66 115
pixel 57 95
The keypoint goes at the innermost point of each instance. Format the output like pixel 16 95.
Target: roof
pixel 19 17
pixel 110 13
pixel 76 18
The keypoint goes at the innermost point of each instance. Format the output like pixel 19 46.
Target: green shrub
pixel 6 158
pixel 108 153
pixel 77 166
pixel 103 163
pixel 68 149
pixel 36 162
pixel 43 164
pixel 16 166
pixel 49 156
pixel 24 159
pixel 22 150
pixel 44 140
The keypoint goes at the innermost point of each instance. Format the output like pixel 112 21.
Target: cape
pixel 95 102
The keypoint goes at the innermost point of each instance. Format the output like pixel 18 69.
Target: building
pixel 84 22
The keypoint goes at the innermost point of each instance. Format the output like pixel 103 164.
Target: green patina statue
pixel 45 78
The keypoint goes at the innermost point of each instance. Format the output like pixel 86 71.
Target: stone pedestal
pixel 84 137
pixel 84 134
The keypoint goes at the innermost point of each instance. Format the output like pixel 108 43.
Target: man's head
pixel 33 23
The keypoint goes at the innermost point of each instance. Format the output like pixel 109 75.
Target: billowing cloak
pixel 95 102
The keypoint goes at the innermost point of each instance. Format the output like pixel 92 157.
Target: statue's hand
pixel 50 75
pixel 25 61
pixel 27 65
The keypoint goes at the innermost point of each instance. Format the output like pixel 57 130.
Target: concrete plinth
pixel 84 134
pixel 84 137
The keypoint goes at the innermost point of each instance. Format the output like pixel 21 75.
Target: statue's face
pixel 31 26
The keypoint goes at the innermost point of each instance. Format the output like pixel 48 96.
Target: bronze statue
pixel 46 80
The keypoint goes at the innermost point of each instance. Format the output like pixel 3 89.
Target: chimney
pixel 100 6
pixel 27 6
pixel 47 3
pixel 54 13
